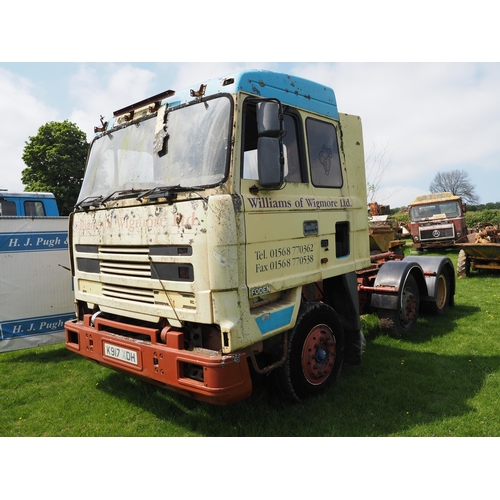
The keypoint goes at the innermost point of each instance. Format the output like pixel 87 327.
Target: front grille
pixel 146 267
pixel 135 262
pixel 437 233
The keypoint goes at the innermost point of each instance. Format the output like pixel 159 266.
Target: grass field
pixel 444 381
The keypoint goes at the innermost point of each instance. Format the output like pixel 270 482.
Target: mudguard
pixel 433 267
pixel 393 274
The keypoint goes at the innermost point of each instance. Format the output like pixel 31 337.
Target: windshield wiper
pixel 97 201
pixel 121 193
pixel 90 201
pixel 168 192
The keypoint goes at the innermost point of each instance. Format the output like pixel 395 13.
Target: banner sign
pixel 36 294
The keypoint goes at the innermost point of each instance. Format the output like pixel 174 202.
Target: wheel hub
pixel 318 354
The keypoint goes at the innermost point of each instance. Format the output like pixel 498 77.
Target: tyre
pixel 401 321
pixel 463 264
pixel 315 353
pixel 443 291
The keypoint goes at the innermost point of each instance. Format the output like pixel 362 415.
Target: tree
pixel 55 160
pixel 376 164
pixel 456 182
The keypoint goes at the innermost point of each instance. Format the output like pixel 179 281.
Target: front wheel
pixel 401 321
pixel 315 353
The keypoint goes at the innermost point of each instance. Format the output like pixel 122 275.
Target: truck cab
pixel 218 231
pixel 28 205
pixel 437 220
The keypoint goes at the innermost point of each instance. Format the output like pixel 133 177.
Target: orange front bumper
pixel 201 374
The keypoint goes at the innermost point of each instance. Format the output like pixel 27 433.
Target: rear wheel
pixel 443 290
pixel 463 264
pixel 315 352
pixel 401 321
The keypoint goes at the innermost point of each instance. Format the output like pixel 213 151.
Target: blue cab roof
pixel 26 194
pixel 291 90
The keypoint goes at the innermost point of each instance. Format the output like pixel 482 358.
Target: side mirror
pixel 269 145
pixel 268 119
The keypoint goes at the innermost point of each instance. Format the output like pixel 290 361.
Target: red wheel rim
pixel 318 354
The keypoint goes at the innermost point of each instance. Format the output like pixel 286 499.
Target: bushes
pixel 401 217
pixel 474 219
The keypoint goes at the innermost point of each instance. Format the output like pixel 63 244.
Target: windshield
pixel 195 152
pixel 448 209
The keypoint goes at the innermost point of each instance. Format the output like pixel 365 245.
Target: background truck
pixel 437 220
pixel 27 204
pixel 36 296
pixel 222 232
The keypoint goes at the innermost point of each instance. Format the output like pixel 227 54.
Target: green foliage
pixel 55 162
pixel 443 381
pixel 401 217
pixel 487 206
pixel 474 219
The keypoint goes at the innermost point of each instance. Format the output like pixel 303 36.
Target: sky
pixel 418 118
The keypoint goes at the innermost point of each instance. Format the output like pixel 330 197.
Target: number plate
pixel 121 353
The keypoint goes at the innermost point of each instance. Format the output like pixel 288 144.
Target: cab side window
pixel 34 209
pixel 7 208
pixel 323 154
